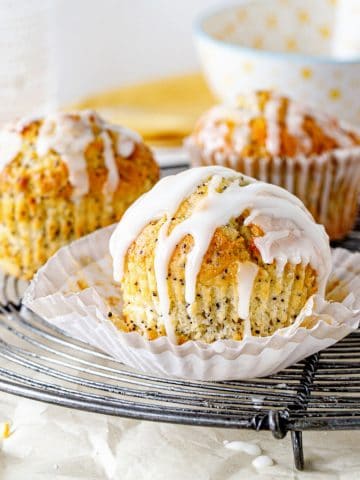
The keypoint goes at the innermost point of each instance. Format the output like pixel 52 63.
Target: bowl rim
pixel 200 32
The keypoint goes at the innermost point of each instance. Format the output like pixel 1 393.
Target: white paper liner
pixel 57 294
pixel 332 174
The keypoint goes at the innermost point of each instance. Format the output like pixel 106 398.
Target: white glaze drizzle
pixel 290 232
pixel 69 134
pixel 294 121
pixel 69 137
pixel 319 168
pixel 214 135
pixel 110 162
pixel 126 139
pixel 333 129
pixel 295 118
pixel 271 114
pixel 241 137
pixel 246 275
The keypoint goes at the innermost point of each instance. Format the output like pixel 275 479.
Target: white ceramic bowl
pixel 308 50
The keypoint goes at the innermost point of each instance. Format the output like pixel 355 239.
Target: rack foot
pixel 297 445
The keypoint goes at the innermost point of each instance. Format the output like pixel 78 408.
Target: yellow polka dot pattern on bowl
pixel 301 32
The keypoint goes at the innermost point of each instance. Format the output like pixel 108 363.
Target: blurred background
pixel 56 53
pixel 106 44
pixel 65 50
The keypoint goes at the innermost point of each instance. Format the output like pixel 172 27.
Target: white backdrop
pixel 105 43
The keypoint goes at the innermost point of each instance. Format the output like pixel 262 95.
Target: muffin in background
pixel 211 254
pixel 61 177
pixel 274 139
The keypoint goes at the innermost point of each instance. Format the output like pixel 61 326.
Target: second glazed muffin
pixel 275 139
pixel 62 177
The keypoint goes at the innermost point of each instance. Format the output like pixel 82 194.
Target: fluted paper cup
pixel 75 291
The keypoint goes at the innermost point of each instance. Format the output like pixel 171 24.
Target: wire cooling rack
pixel 40 362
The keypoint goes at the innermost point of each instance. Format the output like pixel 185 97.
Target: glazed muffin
pixel 274 139
pixel 62 177
pixel 211 254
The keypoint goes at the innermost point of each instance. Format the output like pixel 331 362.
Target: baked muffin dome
pixel 275 139
pixel 211 254
pixel 62 177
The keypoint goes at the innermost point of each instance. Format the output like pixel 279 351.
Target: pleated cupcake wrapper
pixel 75 291
pixel 314 179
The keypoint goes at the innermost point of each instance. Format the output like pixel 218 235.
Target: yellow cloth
pixel 162 111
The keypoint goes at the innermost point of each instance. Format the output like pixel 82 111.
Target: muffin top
pixel 69 155
pixel 199 202
pixel 266 124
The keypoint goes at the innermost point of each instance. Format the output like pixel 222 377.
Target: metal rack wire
pixel 40 362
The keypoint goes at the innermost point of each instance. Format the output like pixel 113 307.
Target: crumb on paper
pixel 85 261
pixel 5 430
pixel 82 284
pixel 76 285
pixel 113 301
pixel 311 320
pixel 337 290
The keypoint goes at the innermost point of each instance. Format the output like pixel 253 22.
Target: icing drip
pixel 110 163
pixel 247 272
pixel 215 134
pixel 290 232
pixel 213 138
pixel 295 118
pixel 294 121
pixel 271 114
pixel 69 135
pixel 241 137
pixel 333 130
pixel 126 139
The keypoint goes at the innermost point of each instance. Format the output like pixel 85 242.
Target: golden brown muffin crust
pixel 275 300
pixel 38 214
pixel 47 175
pixel 321 141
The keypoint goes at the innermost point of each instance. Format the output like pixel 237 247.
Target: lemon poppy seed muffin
pixel 211 254
pixel 275 139
pixel 62 177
